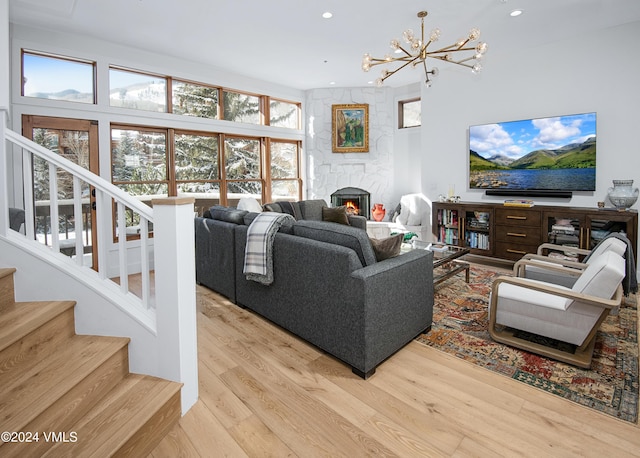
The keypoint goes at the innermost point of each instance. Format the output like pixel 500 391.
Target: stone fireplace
pixel 356 200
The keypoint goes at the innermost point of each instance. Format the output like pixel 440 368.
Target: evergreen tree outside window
pixel 284 114
pixel 139 161
pixel 242 168
pixel 197 166
pixel 285 183
pixel 240 107
pixel 191 99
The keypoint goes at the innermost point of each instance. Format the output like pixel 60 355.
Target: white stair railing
pixel 168 256
pixel 105 193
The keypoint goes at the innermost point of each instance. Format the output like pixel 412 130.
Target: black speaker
pixel 529 193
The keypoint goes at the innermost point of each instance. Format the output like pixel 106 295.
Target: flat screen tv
pixel 534 157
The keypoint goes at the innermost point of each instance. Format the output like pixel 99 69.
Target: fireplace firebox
pixel 355 199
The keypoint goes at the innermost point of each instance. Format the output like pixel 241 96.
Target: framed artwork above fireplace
pixel 350 128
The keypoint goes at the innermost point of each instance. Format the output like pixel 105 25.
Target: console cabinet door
pixel 476 227
pixel 446 224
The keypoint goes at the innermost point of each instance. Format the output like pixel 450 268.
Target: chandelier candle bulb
pixel 419 53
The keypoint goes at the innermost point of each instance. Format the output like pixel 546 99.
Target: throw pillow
pixel 335 215
pixel 387 248
pixel 249 204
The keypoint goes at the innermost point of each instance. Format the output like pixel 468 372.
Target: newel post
pixel 175 292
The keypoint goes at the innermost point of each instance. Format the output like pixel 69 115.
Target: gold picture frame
pixel 350 128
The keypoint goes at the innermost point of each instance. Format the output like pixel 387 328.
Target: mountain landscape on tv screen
pixel 571 166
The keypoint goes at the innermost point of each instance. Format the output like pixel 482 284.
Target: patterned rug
pixel 460 324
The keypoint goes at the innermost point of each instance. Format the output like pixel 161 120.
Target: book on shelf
pixel 518 203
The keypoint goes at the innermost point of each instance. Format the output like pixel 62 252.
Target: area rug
pixel 460 322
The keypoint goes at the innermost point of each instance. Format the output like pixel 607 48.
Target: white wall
pixel 372 171
pixel 590 73
pixel 4 53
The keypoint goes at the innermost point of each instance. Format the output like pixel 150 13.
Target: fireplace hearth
pixel 356 200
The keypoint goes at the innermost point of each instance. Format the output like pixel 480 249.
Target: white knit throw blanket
pixel 258 256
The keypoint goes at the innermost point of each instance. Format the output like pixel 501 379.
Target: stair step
pixel 62 377
pixel 129 421
pixel 7 295
pixel 33 330
pixel 22 318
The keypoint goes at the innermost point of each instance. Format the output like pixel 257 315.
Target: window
pixel 139 161
pixel 52 77
pixel 139 91
pixel 240 107
pixel 242 168
pixel 284 114
pixel 410 113
pixel 197 159
pixel 285 182
pixel 192 99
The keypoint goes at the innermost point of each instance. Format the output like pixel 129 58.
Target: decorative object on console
pixel 378 212
pixel 469 56
pixel 350 128
pixel 623 195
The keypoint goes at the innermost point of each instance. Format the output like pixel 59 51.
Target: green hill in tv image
pixel 504 156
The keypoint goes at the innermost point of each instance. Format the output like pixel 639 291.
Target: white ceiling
pixel 289 43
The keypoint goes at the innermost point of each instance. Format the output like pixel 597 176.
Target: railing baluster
pixel 29 202
pixel 122 248
pixel 144 262
pixel 53 208
pixel 77 213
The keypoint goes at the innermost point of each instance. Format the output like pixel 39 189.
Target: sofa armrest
pixel 398 302
pixel 358 221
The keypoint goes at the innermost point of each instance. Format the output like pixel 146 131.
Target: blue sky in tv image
pixel 543 153
pixel 515 139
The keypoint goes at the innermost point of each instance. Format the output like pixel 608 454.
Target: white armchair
pixel 415 216
pixel 570 315
pixel 562 271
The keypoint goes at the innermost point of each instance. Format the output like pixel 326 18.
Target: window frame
pixel 401 120
pixel 92 63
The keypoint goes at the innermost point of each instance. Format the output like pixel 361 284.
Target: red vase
pixel 378 212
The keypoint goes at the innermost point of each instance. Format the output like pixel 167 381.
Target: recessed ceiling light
pixel 327 15
pixel 332 83
pixel 515 13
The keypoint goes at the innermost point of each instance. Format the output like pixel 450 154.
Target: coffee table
pixel 445 260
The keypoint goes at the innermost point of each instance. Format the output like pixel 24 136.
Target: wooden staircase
pixel 74 391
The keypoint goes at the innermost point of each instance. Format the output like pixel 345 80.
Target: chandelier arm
pixel 389 73
pixel 444 59
pixel 426 72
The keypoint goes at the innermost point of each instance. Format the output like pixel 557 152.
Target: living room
pixel 588 71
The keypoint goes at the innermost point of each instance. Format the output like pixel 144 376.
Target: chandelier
pixel 416 52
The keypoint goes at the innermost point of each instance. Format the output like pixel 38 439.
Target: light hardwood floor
pixel 264 392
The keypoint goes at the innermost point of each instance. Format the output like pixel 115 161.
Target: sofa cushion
pixel 312 209
pixel 228 214
pixel 338 234
pixel 388 247
pixel 335 214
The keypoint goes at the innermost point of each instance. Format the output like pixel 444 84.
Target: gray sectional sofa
pixel 328 287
